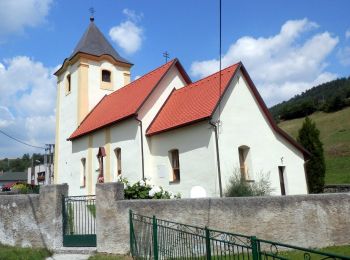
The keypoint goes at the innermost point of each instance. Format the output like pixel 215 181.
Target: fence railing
pixel 79 215
pixel 152 238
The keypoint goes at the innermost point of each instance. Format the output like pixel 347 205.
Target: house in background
pixel 188 137
pixel 10 178
pixel 41 174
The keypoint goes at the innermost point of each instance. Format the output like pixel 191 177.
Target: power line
pixel 14 138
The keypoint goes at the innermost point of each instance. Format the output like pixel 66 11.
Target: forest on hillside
pixel 328 97
pixel 21 164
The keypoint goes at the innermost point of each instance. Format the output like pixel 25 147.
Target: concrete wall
pixel 307 221
pixel 33 220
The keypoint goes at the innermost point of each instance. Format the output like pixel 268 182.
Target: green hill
pixel 335 135
pixel 328 97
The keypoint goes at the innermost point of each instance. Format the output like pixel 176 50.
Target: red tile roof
pixel 192 103
pixel 125 102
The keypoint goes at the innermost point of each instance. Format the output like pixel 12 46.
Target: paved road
pixel 68 256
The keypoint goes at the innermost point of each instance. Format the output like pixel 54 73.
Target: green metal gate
pixel 156 239
pixel 79 224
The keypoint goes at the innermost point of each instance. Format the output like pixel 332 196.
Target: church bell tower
pixel 93 70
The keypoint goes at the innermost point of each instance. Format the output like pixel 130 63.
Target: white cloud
pixel 16 15
pixel 128 34
pixel 344 56
pixel 281 65
pixel 27 101
pixel 132 15
pixel 347 34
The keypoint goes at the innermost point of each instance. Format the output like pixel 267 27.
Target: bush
pixel 143 190
pixel 25 188
pixel 21 188
pixel 239 187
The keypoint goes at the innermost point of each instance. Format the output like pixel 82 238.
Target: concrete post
pixel 107 225
pixel 50 209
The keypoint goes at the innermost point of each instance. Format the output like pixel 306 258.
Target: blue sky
pixel 287 47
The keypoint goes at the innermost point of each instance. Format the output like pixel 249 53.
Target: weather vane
pixel 166 56
pixel 92 12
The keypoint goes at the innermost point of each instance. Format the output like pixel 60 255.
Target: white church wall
pixel 197 157
pixel 126 136
pixel 173 79
pixel 94 76
pixel 243 123
pixel 79 151
pixel 67 123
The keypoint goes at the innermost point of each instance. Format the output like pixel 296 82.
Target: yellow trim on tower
pixel 89 168
pixel 126 75
pixel 108 154
pixel 83 90
pixel 57 139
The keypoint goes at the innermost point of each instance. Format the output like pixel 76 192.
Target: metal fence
pixel 79 225
pixel 152 238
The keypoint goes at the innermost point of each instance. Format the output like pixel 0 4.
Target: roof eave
pixel 58 72
pixel 207 118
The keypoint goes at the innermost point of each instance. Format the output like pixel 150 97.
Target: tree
pixel 309 138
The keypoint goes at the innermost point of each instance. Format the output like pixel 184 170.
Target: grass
pixel 335 136
pixel 295 255
pixel 92 209
pixel 299 255
pixel 18 253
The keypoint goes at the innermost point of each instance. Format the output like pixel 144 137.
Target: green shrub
pixel 21 188
pixel 239 187
pixel 143 190
pixel 25 188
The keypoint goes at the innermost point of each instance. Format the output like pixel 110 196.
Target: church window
pixel 106 76
pixel 118 156
pixel 244 161
pixel 83 173
pixel 175 165
pixel 68 84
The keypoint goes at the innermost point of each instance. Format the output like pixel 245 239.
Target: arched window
pixel 106 76
pixel 118 157
pixel 175 164
pixel 68 83
pixel 244 161
pixel 83 173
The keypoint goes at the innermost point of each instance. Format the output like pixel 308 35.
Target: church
pixel 188 137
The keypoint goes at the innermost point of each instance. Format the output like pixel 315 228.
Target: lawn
pixel 335 135
pixel 18 253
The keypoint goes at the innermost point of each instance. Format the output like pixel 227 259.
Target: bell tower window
pixel 106 76
pixel 106 79
pixel 68 84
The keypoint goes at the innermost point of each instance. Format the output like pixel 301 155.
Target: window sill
pixel 174 182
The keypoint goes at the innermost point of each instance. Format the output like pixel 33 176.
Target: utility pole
pixel 48 163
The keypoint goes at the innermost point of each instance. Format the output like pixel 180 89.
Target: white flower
pixel 172 196
pixel 142 183
pixel 154 190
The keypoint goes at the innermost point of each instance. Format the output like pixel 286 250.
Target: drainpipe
pixel 217 155
pixel 142 157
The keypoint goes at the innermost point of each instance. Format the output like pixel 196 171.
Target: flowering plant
pixel 143 190
pixel 101 179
